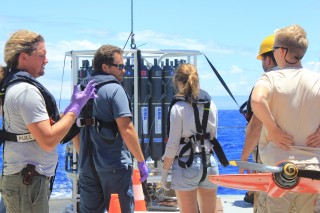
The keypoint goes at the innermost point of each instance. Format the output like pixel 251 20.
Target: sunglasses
pixel 274 48
pixel 119 66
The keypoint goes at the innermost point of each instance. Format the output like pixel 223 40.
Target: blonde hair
pixel 22 41
pixel 187 75
pixel 294 38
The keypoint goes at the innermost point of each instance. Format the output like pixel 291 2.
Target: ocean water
pixel 231 135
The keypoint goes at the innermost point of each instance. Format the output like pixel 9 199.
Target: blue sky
pixel 229 32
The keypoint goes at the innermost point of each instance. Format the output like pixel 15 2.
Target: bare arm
pixel 47 136
pixel 261 109
pixel 130 137
pixel 252 137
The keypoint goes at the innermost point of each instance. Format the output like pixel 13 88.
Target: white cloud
pixel 159 40
pixel 235 69
pixel 56 51
pixel 313 65
pixel 95 32
pixel 207 76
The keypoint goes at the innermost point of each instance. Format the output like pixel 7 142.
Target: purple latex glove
pixel 79 99
pixel 144 171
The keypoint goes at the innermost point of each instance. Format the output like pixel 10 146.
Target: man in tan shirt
pixel 287 103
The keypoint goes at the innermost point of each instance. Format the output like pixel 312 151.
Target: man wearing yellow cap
pixel 254 125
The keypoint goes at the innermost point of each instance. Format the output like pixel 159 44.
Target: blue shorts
pixel 95 194
pixel 189 179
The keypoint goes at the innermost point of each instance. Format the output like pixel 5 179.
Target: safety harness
pixel 87 118
pixel 201 135
pixel 15 76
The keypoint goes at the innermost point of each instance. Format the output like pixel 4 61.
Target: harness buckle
pixel 81 122
pixel 186 139
pixel 202 136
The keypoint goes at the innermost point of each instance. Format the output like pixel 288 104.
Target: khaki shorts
pixel 290 202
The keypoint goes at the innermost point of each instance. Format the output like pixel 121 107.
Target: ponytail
pixel 187 75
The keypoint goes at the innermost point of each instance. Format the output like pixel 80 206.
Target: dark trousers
pixel 95 192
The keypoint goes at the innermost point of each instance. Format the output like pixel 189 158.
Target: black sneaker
pixel 248 198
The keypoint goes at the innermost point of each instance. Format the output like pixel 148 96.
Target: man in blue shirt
pixel 104 157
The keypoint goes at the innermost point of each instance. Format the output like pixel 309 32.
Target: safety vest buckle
pixel 81 122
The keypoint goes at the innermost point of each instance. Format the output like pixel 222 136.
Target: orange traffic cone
pixel 139 203
pixel 114 206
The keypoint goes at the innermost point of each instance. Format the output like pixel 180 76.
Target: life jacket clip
pixel 81 122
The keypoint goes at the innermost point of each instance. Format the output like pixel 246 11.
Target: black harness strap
pixel 201 129
pixel 219 151
pixel 246 109
pixel 174 100
pixel 9 136
pixel 201 135
pixel 189 145
pixel 52 110
pixel 88 120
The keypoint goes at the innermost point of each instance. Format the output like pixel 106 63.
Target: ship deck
pixel 225 204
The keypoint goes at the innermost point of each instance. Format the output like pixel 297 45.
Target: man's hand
pixel 313 140
pixel 144 171
pixel 280 138
pixel 241 170
pixel 79 99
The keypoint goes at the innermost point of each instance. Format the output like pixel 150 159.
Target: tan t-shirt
pixel 294 102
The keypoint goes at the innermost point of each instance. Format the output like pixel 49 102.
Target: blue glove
pixel 79 99
pixel 144 171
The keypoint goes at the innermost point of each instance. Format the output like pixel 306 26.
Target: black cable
pixel 126 42
pixel 64 64
pixel 133 44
